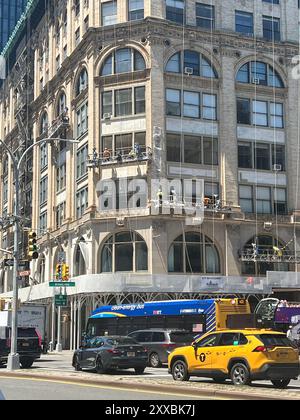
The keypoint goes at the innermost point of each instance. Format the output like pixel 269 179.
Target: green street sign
pixel 62 284
pixel 61 300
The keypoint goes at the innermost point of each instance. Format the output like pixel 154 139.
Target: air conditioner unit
pixel 277 167
pixel 107 116
pixel 189 70
pixel 255 80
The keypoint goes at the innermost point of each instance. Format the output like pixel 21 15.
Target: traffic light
pixel 65 272
pixel 58 272
pixel 32 246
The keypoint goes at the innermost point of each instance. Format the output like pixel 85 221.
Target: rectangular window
pixel 174 147
pixel 81 202
pixel 81 166
pixel 175 11
pixel 123 102
pixel 109 13
pixel 245 155
pixel 210 151
pixel 107 103
pixel 246 198
pixel 260 113
pixel 43 190
pixel 123 143
pixel 280 201
pixel 82 120
pixel 107 143
pixel 263 200
pixel 205 16
pixel 60 214
pixel 191 104
pixel 209 107
pixel 278 157
pixel 61 177
pixel 44 156
pixel 135 9
pixel 244 23
pixel 192 149
pixel 43 223
pixel 262 156
pixel 139 100
pixel 173 102
pixel 271 28
pixel 276 115
pixel 243 111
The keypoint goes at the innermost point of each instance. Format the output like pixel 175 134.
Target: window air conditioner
pixel 277 167
pixel 256 81
pixel 189 70
pixel 107 116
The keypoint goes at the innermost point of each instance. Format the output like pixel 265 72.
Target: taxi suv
pixel 111 352
pixel 240 355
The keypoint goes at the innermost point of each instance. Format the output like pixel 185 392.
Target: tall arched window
pixel 258 253
pixel 124 60
pixel 259 73
pixel 61 104
pixel 82 82
pixel 193 253
pixel 191 63
pixel 124 252
pixel 80 264
pixel 44 123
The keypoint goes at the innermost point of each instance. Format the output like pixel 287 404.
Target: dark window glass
pixel 243 111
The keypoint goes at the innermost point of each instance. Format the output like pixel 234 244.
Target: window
pixel 262 156
pixel 60 214
pixel 139 97
pixel 61 177
pixel 260 113
pixel 191 63
pixel 109 13
pixel 82 156
pixel 82 82
pixel 271 28
pixel 43 223
pixel 246 198
pixel 43 190
pixel 135 9
pixel 77 7
pixel 77 37
pixel 209 108
pixel 244 23
pixel 263 200
pixel 193 253
pixel 209 341
pixel 122 143
pixel 192 149
pixel 82 120
pixel 276 115
pixel 175 11
pixel 61 104
pixel 194 104
pixel 259 73
pixel 174 148
pixel 280 201
pixel 245 155
pixel 43 156
pixel 123 102
pixel 173 102
pixel 124 252
pixel 107 103
pixel 81 202
pixel 243 111
pixel 44 123
pixel 124 60
pixel 205 16
pixel 191 104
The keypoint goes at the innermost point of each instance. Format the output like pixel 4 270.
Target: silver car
pixel 161 342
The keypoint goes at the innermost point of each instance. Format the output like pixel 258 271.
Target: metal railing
pixel 125 155
pixel 269 256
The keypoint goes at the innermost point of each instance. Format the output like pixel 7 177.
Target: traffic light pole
pixel 13 362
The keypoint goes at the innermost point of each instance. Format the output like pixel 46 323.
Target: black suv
pixel 161 342
pixel 29 346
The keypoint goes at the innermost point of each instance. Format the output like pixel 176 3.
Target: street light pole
pixel 13 362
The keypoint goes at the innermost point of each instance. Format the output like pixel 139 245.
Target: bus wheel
pixel 154 360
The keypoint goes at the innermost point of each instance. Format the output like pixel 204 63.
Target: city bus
pixel 276 314
pixel 196 316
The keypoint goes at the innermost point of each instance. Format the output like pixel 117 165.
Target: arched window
pixel 80 264
pixel 61 104
pixel 82 82
pixel 259 73
pixel 44 123
pixel 191 63
pixel 124 60
pixel 124 252
pixel 193 253
pixel 261 254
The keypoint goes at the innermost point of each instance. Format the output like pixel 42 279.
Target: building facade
pixel 10 12
pixel 156 91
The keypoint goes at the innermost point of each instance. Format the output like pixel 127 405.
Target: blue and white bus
pixel 197 316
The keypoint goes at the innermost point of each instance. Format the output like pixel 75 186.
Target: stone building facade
pixel 153 90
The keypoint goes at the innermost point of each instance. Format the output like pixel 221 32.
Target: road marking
pixel 108 387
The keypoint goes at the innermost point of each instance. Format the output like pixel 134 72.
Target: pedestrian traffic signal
pixel 33 253
pixel 65 272
pixel 58 272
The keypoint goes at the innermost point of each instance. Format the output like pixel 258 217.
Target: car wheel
pixel 281 383
pixel 99 367
pixel 240 374
pixel 139 371
pixel 26 363
pixel 154 360
pixel 180 371
pixel 76 365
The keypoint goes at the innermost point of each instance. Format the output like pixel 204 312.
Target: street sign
pixel 61 300
pixel 61 284
pixel 8 263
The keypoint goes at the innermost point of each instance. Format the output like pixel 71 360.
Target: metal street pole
pixel 13 362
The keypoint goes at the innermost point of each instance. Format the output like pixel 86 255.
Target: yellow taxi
pixel 239 355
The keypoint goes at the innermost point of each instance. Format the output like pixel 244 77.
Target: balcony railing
pixel 125 155
pixel 58 126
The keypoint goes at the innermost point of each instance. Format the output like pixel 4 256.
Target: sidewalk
pixel 57 367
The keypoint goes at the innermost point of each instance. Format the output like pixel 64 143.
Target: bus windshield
pixel 266 310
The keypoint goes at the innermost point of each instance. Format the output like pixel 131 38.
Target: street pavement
pixel 58 367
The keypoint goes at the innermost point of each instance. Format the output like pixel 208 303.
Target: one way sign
pixel 8 263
